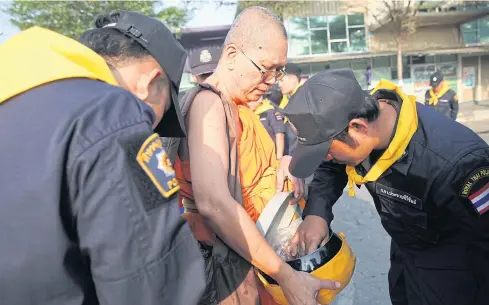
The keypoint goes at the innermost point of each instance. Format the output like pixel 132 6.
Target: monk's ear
pixel 229 53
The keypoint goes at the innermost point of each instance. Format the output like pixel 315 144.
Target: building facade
pixel 453 39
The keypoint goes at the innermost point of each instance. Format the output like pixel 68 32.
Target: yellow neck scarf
pixel 406 127
pixel 435 96
pixel 265 106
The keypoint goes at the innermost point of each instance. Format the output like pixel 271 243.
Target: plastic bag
pixel 280 240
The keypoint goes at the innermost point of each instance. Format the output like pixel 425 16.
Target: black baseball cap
pixel 204 60
pixel 318 112
pixel 159 41
pixel 293 69
pixel 435 79
pixel 274 95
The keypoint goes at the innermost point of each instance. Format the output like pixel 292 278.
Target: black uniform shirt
pixel 431 195
pixel 447 103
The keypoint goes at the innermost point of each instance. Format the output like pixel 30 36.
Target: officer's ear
pixel 144 83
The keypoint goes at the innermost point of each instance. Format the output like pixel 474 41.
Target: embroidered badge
pixel 154 160
pixel 205 56
pixel 476 189
pixel 455 98
pixel 278 116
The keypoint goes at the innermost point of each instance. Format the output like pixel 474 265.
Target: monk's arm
pixel 209 154
pixel 280 144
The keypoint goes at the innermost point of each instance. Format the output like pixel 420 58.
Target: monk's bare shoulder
pixel 207 122
pixel 207 105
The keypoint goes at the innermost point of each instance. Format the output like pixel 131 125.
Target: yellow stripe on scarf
pixel 265 106
pixel 435 96
pixel 406 127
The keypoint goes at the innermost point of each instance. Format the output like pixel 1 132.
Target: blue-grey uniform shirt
pixel 273 122
pixel 81 222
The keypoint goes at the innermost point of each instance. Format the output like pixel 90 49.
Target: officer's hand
pixel 301 288
pixel 312 232
pixel 282 175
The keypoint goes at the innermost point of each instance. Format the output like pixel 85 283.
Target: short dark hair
pixel 114 46
pixel 117 48
pixel 370 111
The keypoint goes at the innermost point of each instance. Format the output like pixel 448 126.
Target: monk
pixel 228 171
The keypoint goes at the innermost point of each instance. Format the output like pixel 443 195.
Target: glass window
pixel 355 20
pixel 470 26
pixel 325 34
pixel 484 30
pixel 406 73
pixel 446 58
pixel 357 39
pixel 382 61
pixel 359 64
pixel 405 60
pixel 339 46
pixel 318 22
pixel 298 36
pixel 423 59
pixel 337 27
pixel 319 42
pixel 340 64
pixel 470 37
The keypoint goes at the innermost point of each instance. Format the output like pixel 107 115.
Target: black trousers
pixel 439 278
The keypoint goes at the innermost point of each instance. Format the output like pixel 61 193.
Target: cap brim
pixel 203 69
pixel 307 158
pixel 172 124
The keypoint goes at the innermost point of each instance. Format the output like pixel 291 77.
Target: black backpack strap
pixel 172 144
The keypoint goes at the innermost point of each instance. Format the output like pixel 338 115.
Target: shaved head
pixel 254 27
pixel 253 56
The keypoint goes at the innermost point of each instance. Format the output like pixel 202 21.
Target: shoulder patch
pixel 476 189
pixel 154 160
pixel 278 116
pixel 455 98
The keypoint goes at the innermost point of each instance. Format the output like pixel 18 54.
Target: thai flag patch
pixel 480 199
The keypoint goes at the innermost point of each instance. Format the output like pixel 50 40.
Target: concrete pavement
pixel 475 116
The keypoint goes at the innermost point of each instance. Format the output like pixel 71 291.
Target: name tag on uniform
pixel 399 196
pixel 443 101
pixel 263 119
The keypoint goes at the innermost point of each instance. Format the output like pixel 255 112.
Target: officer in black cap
pixel 440 97
pixel 203 61
pixel 266 109
pixel 88 211
pixel 432 194
pixel 290 82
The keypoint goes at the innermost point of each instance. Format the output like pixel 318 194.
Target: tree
pixel 282 8
pixel 72 18
pixel 398 16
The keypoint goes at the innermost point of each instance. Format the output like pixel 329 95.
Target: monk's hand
pixel 312 233
pixel 283 174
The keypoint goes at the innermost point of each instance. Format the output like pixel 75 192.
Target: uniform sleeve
pixel 454 106
pixel 139 248
pixel 463 187
pixel 326 187
pixel 276 122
